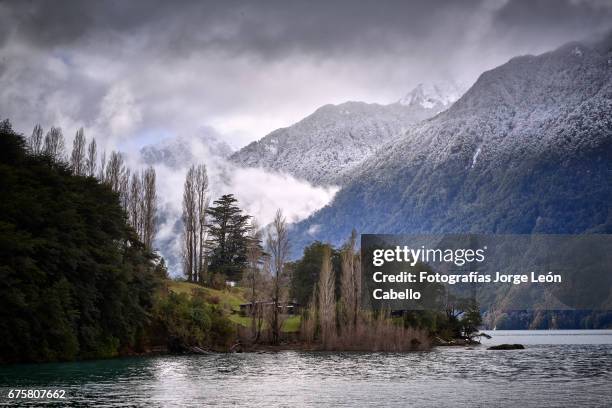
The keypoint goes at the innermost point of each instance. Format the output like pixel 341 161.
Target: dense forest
pixel 77 280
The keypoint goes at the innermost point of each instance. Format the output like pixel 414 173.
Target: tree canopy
pixel 306 270
pixel 75 281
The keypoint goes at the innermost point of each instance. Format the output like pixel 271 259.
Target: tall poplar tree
pixel 77 158
pixel 195 203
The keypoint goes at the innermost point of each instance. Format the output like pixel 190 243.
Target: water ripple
pixel 540 376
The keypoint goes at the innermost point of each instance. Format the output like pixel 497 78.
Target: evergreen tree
pixel 228 237
pixel 306 271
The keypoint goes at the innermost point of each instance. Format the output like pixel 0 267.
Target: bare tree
pixel 102 172
pixel 54 144
pixel 149 202
pixel 115 171
pixel 124 188
pixel 77 158
pixel 201 190
pixel 255 259
pixel 350 283
pixel 308 327
pixel 195 204
pixel 35 142
pixel 357 276
pixel 117 177
pixel 189 225
pixel 185 254
pixel 134 209
pixel 92 158
pixel 327 299
pixel 278 247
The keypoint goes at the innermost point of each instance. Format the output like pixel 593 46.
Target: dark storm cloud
pixel 276 28
pixel 266 27
pixel 545 20
pixel 207 61
pixel 53 23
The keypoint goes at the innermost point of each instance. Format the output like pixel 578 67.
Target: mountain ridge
pixel 182 151
pixel 517 153
pixel 324 147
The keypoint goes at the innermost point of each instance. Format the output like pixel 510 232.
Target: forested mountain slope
pixel 527 149
pixel 325 147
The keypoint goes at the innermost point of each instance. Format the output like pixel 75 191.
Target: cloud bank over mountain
pixel 137 73
pixel 259 192
pixel 125 69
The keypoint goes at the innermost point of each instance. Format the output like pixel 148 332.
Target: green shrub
pixel 193 322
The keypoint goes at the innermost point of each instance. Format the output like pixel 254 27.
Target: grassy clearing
pixel 232 298
pixel 290 325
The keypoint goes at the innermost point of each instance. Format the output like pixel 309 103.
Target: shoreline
pixel 160 351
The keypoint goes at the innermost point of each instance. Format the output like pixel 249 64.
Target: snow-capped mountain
pixel 527 149
pixel 182 151
pixel 325 147
pixel 436 96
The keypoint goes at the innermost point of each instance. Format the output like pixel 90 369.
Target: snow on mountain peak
pixel 577 52
pixel 324 147
pixel 510 156
pixel 182 151
pixel 432 95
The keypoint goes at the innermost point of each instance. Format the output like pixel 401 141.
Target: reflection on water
pixel 556 369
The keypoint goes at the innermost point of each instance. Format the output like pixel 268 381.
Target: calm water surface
pixel 558 369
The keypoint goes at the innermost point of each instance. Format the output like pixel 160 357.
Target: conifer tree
pixel 227 242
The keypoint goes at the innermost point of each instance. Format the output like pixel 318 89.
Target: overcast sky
pixel 132 72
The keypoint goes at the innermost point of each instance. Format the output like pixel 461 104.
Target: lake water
pixel 558 369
